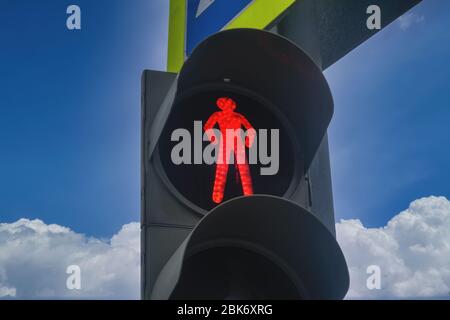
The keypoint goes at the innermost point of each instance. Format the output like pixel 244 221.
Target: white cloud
pixel 34 257
pixel 7 292
pixel 408 19
pixel 412 250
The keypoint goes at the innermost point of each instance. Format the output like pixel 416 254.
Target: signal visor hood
pixel 270 68
pixel 258 247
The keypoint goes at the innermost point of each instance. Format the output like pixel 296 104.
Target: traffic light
pixel 224 216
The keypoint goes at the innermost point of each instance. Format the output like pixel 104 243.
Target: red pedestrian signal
pixel 229 120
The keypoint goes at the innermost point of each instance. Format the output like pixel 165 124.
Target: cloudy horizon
pixel 412 251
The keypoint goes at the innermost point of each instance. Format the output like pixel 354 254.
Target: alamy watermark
pixel 373 282
pixel 73 21
pixel 229 147
pixel 73 281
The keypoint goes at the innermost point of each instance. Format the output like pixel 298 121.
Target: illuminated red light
pixel 228 119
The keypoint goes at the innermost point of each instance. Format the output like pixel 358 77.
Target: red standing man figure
pixel 230 121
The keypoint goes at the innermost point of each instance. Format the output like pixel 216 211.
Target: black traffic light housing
pixel 263 246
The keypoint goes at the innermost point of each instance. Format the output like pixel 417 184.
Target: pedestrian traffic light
pixel 226 144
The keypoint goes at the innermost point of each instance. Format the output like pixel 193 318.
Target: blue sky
pixel 390 134
pixel 70 110
pixel 70 113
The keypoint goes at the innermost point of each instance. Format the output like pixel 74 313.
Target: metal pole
pixel 300 26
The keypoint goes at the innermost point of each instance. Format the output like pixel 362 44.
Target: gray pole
pixel 300 26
